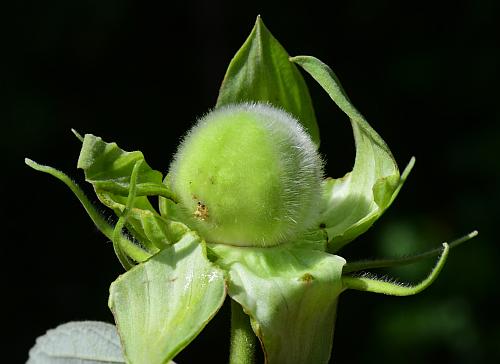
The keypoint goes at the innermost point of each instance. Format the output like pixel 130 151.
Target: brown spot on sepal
pixel 307 278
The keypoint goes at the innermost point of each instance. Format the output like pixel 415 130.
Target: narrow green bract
pixel 248 175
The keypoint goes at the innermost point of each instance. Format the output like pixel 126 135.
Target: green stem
pixel 117 245
pixel 243 341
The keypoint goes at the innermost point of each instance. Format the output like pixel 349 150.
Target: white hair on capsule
pixel 310 164
pixel 302 190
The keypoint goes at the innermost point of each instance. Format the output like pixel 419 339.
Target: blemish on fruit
pixel 201 211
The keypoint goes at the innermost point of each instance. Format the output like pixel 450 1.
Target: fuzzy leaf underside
pixel 83 342
pixel 261 72
pixel 351 204
pixel 161 305
pixel 290 295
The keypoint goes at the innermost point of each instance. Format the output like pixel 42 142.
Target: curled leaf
pixel 351 204
pixel 109 169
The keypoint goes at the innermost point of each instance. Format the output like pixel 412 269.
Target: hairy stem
pixel 395 289
pixel 243 341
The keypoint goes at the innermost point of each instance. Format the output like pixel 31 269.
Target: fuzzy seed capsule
pixel 247 175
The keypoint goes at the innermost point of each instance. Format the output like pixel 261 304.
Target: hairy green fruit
pixel 248 175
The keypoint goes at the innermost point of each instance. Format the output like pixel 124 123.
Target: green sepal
pixel 161 305
pixel 351 204
pixel 159 230
pixel 261 71
pixel 290 295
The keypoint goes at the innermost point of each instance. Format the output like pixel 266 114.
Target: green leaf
pixel 351 204
pixel 161 305
pixel 261 71
pixel 109 168
pixel 290 295
pixel 84 342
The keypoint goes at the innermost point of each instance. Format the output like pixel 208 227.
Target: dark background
pixel 425 74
